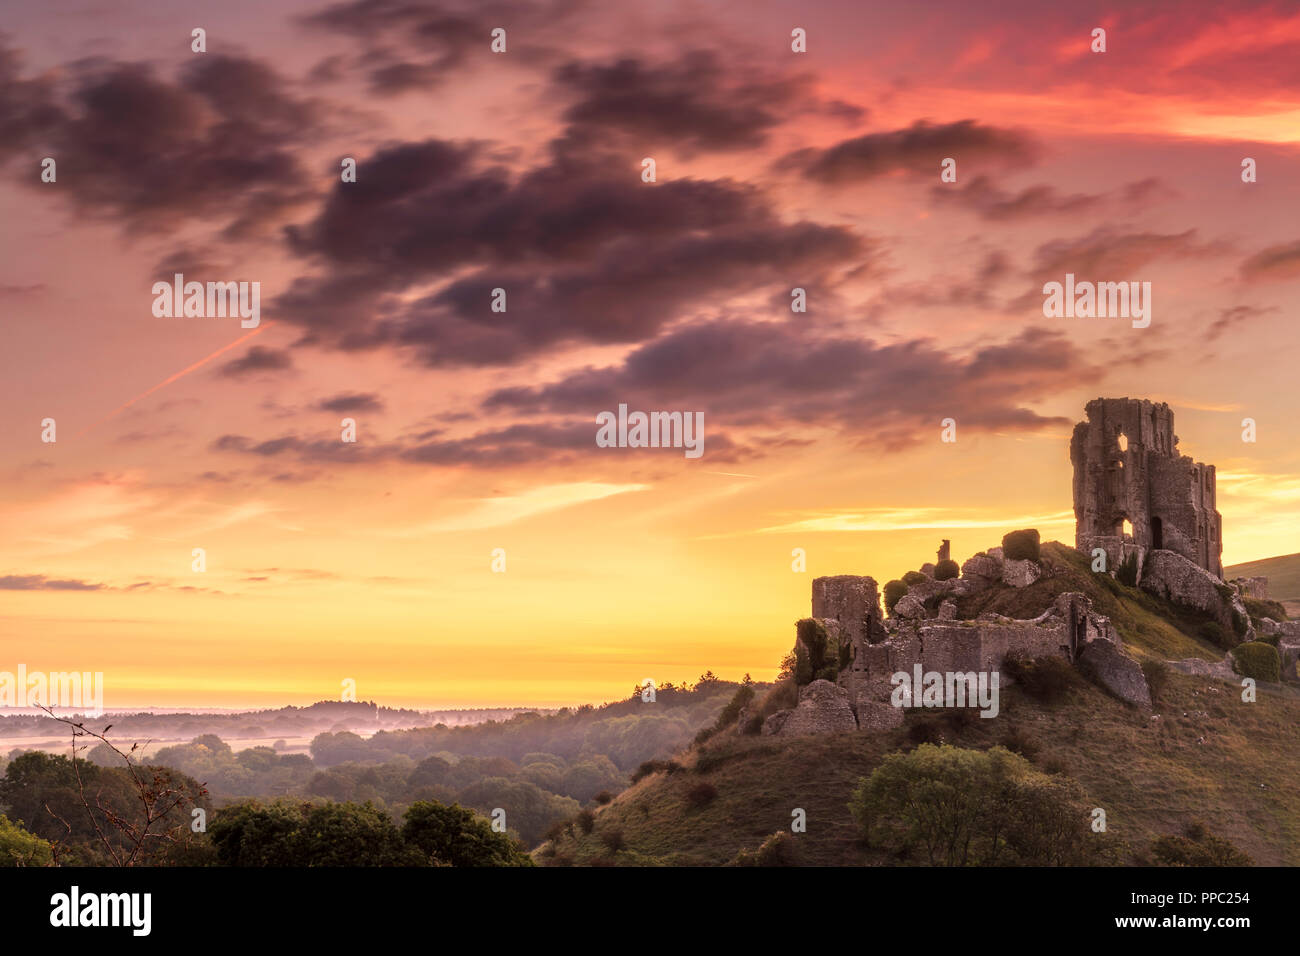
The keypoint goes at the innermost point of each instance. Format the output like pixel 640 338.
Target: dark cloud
pixel 779 376
pixel 585 252
pixel 990 202
pixel 257 359
pixel 1275 262
pixel 217 142
pixel 352 402
pixel 1109 255
pixel 697 103
pixel 919 148
pixel 39 582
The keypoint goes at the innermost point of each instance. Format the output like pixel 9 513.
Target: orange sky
pixel 475 432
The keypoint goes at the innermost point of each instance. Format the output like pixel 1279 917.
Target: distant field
pixel 1283 575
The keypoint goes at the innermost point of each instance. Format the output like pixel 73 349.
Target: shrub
pixel 1021 545
pixel 946 570
pixel 1017 741
pixel 1259 608
pixel 604 797
pixel 1127 572
pixel 1258 660
pixel 914 577
pixel 1197 847
pixel 702 794
pixel 894 591
pixel 1157 676
pixel 971 807
pixel 744 694
pixel 803 669
pixel 612 837
pixel 703 734
pixel 1047 679
pixel 1216 634
pixel 586 821
pixel 776 850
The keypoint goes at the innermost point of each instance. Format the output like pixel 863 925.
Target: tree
pixel 308 834
pixel 20 848
pixel 455 836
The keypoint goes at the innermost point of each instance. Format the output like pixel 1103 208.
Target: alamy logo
pixel 652 430
pixel 215 300
pixel 1087 300
pixel 952 689
pixel 103 909
pixel 82 690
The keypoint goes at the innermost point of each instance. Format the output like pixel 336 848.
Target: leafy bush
pixel 1258 660
pixel 1127 572
pixel 975 808
pixel 776 850
pixel 1021 545
pixel 612 837
pixel 1259 608
pixel 1157 677
pixel 702 794
pixel 915 577
pixel 455 836
pixel 586 820
pixel 894 591
pixel 1216 634
pixel 1197 847
pixel 946 570
pixel 20 848
pixel 1017 741
pixel 603 797
pixel 1046 679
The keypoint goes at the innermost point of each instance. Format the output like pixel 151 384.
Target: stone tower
pixel 1127 469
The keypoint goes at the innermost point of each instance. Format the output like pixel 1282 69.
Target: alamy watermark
pixel 651 430
pixel 951 689
pixel 181 299
pixel 1087 300
pixel 79 690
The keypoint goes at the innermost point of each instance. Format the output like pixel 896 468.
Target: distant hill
pixel 1283 575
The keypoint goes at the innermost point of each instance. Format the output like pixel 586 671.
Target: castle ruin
pixel 1134 493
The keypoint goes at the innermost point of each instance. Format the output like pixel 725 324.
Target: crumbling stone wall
pixel 1127 467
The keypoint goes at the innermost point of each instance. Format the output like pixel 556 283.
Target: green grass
pixel 1207 757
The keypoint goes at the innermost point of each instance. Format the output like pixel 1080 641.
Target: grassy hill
pixel 1283 575
pixel 1203 756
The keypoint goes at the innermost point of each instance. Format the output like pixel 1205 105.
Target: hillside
pixel 1203 755
pixel 1207 757
pixel 1283 575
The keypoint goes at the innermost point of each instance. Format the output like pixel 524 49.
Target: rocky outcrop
pixel 1021 574
pixel 824 708
pixel 1200 668
pixel 1108 664
pixel 878 716
pixel 982 571
pixel 1175 578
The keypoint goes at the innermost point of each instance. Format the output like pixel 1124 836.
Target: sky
pixel 373 560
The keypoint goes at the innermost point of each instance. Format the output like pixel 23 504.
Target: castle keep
pixel 1127 469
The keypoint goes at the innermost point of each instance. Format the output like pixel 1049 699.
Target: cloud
pixel 781 377
pixel 586 253
pixel 257 359
pixel 352 402
pixel 989 202
pixel 1109 255
pixel 1234 316
pixel 39 582
pixel 919 148
pixel 1280 261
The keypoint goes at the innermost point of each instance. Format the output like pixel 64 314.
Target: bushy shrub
pixel 1157 677
pixel 1258 660
pixel 946 570
pixel 894 591
pixel 1259 608
pixel 586 820
pixel 1018 741
pixel 1127 572
pixel 1197 847
pixel 702 794
pixel 1046 679
pixel 1021 545
pixel 776 850
pixel 1216 634
pixel 612 837
pixel 744 694
pixel 914 577
pixel 975 808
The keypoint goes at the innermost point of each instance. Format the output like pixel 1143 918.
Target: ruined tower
pixel 1133 491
